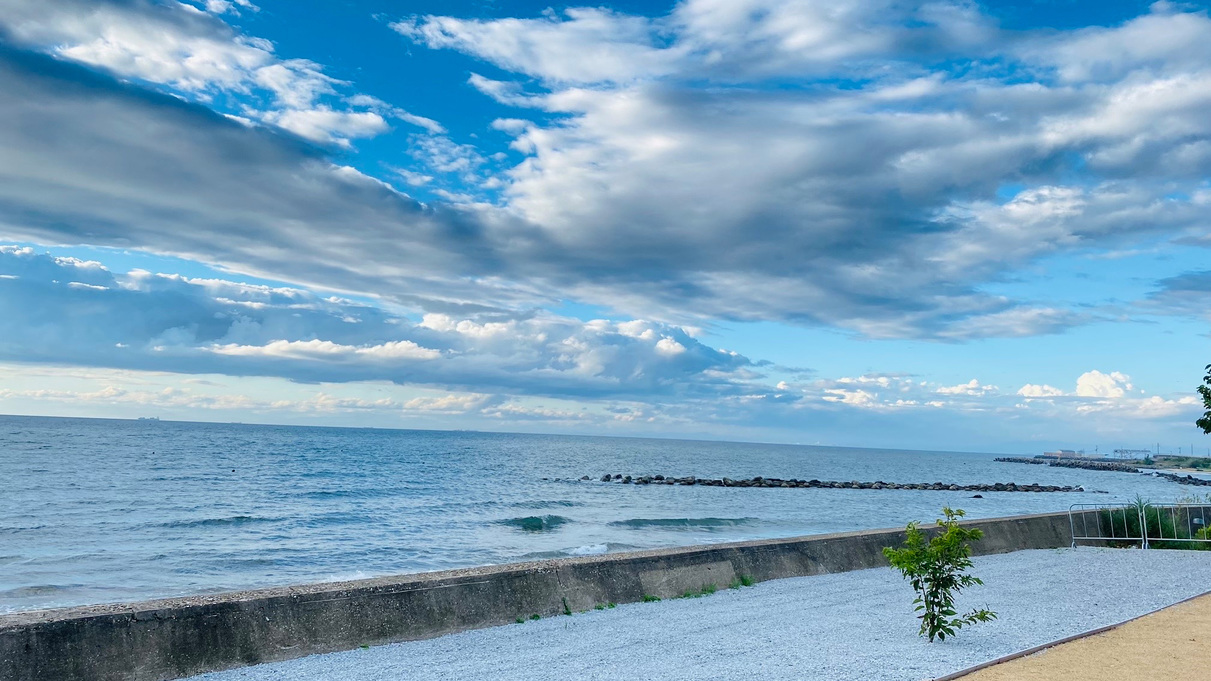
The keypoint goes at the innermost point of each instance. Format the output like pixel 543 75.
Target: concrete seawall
pixel 173 638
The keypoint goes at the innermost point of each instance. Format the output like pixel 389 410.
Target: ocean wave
pixel 36 590
pixel 682 523
pixel 536 523
pixel 19 529
pixel 232 521
pixel 555 503
pixel 361 493
pixel 586 550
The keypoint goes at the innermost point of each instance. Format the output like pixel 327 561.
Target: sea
pixel 98 511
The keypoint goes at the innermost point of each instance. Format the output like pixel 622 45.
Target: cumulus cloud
pixel 1098 395
pixel 1044 390
pixel 1096 384
pixel 1091 384
pixel 972 387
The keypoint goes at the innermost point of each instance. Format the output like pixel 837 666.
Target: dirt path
pixel 1171 645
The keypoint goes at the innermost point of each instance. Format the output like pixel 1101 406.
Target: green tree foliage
pixel 1205 391
pixel 937 571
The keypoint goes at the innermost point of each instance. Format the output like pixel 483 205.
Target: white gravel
pixel 855 625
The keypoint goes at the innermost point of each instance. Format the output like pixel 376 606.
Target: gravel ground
pixel 855 625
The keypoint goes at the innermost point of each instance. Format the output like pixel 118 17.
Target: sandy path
pixel 1173 644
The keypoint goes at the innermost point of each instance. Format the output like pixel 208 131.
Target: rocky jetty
pixel 1094 465
pixel 1073 463
pixel 830 484
pixel 1183 479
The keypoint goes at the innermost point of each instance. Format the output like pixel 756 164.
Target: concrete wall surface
pixel 173 638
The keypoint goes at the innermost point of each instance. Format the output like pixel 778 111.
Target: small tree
pixel 936 570
pixel 1205 391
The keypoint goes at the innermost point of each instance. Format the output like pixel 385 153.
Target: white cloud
pixel 322 123
pixel 1044 390
pixel 172 45
pixel 670 347
pixel 1096 384
pixel 1163 41
pixel 327 351
pixel 449 404
pixel 972 387
pixel 586 45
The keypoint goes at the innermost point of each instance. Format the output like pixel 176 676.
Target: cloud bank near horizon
pixel 598 374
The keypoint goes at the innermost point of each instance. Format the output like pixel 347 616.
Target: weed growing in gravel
pixel 611 604
pixel 566 609
pixel 649 598
pixel 520 620
pixel 535 617
pixel 599 606
pixel 742 580
pixel 706 590
pixel 936 570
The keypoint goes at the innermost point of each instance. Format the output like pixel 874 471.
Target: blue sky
pixel 942 225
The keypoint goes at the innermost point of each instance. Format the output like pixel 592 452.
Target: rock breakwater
pixel 1183 479
pixel 759 481
pixel 1073 463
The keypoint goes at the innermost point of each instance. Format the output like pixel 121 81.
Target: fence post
pixel 1143 515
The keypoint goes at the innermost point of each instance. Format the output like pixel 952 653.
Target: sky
pixel 939 225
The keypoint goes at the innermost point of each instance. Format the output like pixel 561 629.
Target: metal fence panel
pixel 1185 523
pixel 1149 525
pixel 1106 523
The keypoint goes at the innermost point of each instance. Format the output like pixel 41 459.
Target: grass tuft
pixel 706 590
pixel 649 598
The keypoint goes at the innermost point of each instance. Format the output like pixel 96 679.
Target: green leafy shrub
pixel 1160 523
pixel 937 571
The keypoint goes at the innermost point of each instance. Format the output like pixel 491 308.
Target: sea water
pixel 96 511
